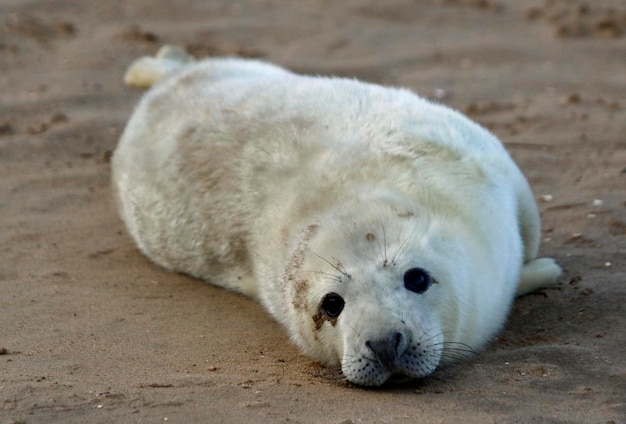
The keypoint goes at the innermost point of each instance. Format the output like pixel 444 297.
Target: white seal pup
pixel 388 234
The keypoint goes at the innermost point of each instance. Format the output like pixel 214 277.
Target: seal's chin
pixel 373 373
pixel 383 378
pixel 377 367
pixel 399 379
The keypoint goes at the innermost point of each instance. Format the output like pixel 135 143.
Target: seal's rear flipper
pixel 537 274
pixel 147 70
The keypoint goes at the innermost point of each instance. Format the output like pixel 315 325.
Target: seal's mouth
pixel 399 379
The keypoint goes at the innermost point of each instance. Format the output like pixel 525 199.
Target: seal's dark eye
pixel 417 280
pixel 332 305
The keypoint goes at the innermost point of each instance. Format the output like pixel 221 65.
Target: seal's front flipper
pixel 147 70
pixel 537 274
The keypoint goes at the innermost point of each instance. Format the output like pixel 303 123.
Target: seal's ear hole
pixel 417 280
pixel 332 305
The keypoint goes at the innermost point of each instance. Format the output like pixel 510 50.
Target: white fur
pixel 287 188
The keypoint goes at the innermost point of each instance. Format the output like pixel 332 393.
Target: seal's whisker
pixel 354 329
pixel 443 373
pixel 460 352
pixel 460 347
pixel 428 338
pixel 467 354
pixel 449 350
pixel 337 378
pixel 401 248
pixel 453 343
pixel 456 354
pixel 384 244
pixel 449 363
pixel 444 341
pixel 330 275
pixel 331 374
pixel 454 363
pixel 339 267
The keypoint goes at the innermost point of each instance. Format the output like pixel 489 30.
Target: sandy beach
pixel 93 332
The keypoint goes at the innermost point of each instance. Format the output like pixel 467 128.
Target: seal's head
pixel 373 293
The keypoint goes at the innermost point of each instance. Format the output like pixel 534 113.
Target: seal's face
pixel 370 298
pixel 391 332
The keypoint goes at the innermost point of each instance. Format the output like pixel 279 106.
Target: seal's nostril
pixel 386 349
pixel 398 339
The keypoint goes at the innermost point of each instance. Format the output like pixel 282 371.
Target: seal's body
pixel 389 235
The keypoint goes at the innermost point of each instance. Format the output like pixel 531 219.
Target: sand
pixel 91 331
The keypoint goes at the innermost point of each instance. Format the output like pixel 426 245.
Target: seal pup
pixel 388 234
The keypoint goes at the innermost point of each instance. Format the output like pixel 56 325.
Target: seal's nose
pixel 387 349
